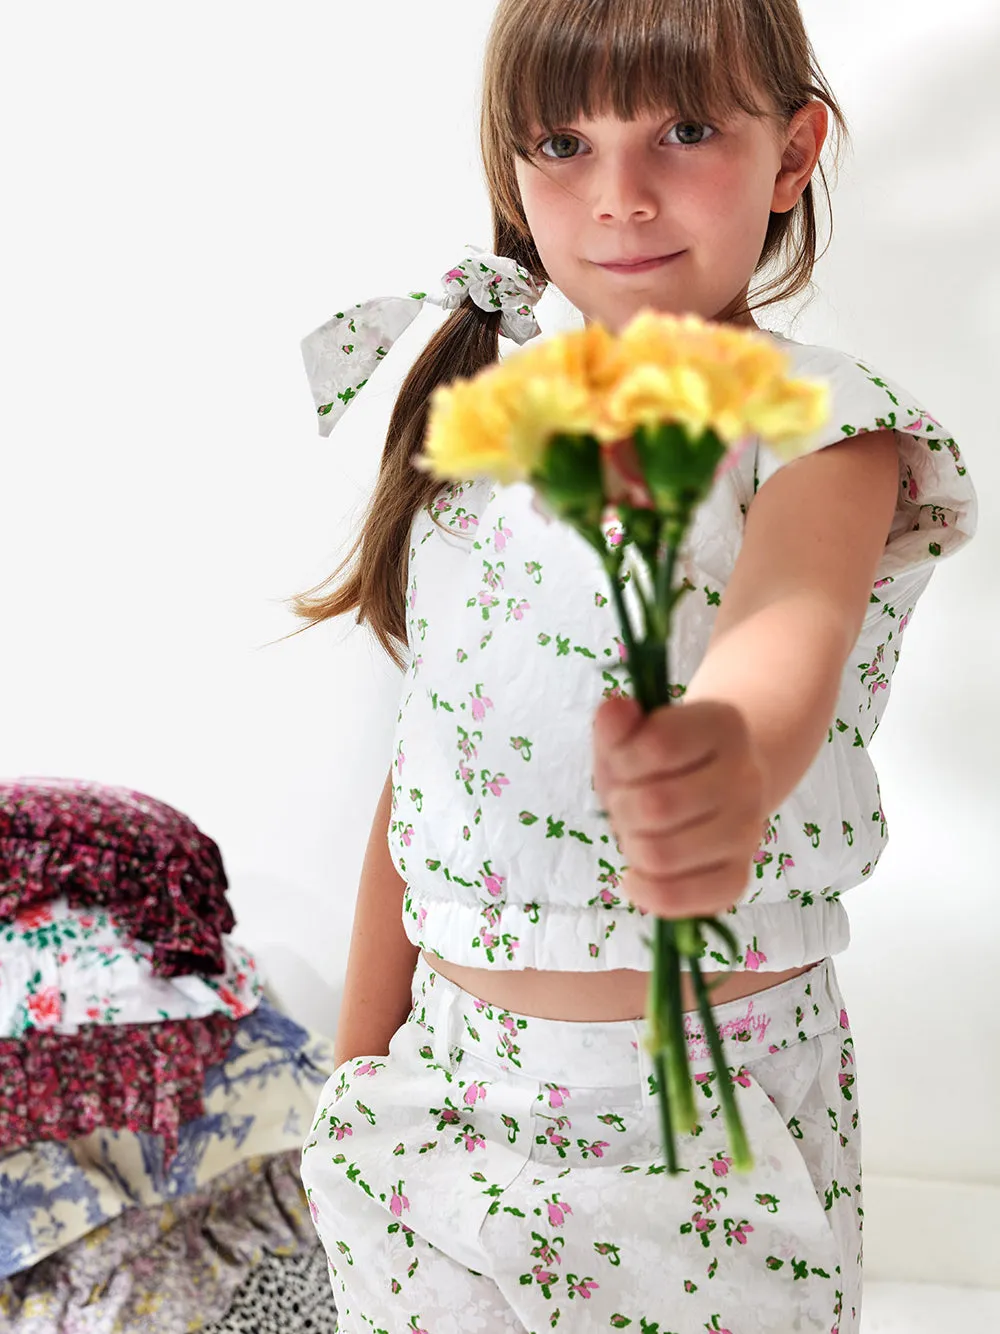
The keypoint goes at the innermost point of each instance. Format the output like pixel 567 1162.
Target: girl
pixel 486 1156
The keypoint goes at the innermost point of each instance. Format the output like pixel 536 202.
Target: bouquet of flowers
pixel 663 409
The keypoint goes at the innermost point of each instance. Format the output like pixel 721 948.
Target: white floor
pixel 923 1308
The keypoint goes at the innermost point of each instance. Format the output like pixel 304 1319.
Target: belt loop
pixel 644 1062
pixel 444 996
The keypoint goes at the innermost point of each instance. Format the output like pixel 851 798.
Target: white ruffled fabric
pixel 63 967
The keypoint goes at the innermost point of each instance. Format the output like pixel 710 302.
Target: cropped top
pixel 514 641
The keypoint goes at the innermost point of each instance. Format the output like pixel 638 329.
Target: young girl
pixel 487 1154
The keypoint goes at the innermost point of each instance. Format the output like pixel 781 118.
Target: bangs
pixel 608 58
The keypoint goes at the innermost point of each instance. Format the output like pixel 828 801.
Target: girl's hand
pixel 684 793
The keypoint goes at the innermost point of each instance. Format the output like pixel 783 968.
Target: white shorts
pixel 498 1172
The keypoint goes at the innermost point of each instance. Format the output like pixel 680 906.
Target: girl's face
pixel 607 189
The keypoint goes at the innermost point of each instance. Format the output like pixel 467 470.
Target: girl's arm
pixel 797 599
pixel 380 966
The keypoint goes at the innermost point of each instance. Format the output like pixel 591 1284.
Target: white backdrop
pixel 190 189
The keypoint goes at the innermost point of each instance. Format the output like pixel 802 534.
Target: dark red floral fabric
pixel 113 847
pixel 54 1086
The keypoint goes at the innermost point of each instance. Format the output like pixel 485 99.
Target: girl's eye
pixel 683 127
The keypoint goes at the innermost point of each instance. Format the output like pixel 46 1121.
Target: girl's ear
pixel 803 145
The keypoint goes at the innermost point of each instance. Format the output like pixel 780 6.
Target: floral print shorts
pixel 497 1172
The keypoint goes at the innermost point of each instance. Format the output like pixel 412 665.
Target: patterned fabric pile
pixel 153 1103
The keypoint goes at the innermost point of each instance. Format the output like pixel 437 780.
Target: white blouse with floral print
pixel 514 642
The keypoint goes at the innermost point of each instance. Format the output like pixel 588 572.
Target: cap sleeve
pixel 936 506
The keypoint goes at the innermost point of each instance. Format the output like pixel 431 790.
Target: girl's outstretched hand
pixel 684 792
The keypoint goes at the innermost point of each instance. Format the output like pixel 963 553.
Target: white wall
pixel 189 189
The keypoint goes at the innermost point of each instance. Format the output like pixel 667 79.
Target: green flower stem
pixel 655 1010
pixel 672 1025
pixel 666 1040
pixel 742 1157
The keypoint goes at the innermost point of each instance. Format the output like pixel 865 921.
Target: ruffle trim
pixel 135 1077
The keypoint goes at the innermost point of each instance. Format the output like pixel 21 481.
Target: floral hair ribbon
pixel 341 354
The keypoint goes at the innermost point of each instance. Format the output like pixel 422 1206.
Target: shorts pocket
pixel 793 1091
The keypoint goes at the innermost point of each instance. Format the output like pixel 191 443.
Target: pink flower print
pixel 773 1048
pixel 338 1129
pixel 313 1209
pixel 543 1276
pixel 739 1233
pixel 399 1201
pixel 584 1287
pixel 844 1022
pixel 704 1076
pixel 598 1147
pixel 45 1007
pixel 369 1068
pixel 237 1008
pixel 558 1095
pixel 488 938
pixel 742 1078
pixel 474 1092
pixel 479 707
pixel 407 835
pixel 472 1140
pixel 701 1223
pixel 755 958
pixel 507 1021
pixel 494 884
pixel 904 623
pixel 546 1254
pixel 465 773
pixel 520 608
pixel 920 423
pixel 93 1012
pixel 501 537
pixel 557 1212
pixel 421 918
pixel 29 919
pixel 555 1139
pixel 721 1165
pixel 608 897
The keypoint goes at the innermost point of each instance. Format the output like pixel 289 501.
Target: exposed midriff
pixel 592 997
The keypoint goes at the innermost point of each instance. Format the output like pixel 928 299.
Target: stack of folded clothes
pixel 153 1102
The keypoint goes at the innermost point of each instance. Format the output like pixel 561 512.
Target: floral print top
pixel 514 642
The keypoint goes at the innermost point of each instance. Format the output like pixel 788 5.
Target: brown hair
pixel 547 61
